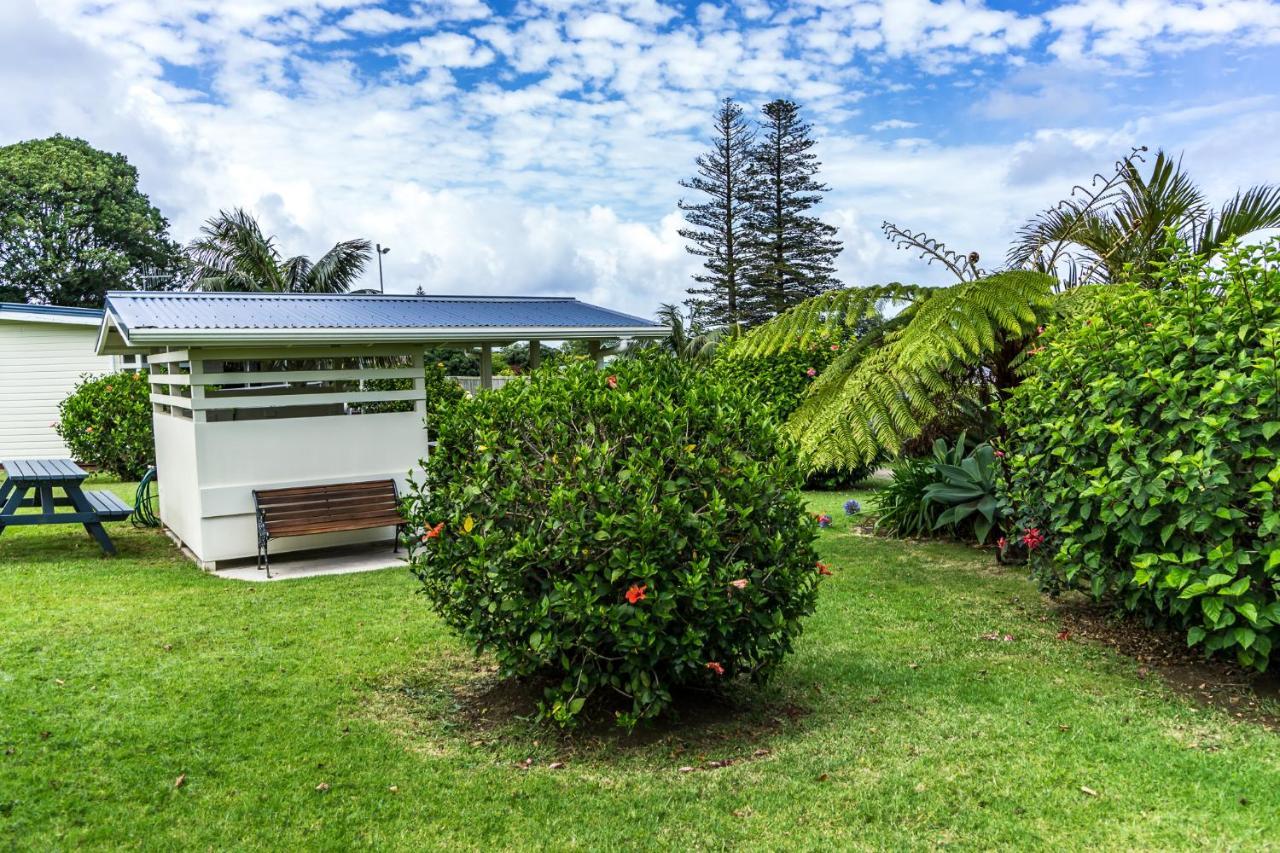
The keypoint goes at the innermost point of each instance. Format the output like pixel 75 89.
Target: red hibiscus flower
pixel 1001 542
pixel 811 372
pixel 612 381
pixel 715 667
pixel 823 570
pixel 636 593
pixel 434 533
pixel 1033 538
pixel 835 347
pixel 740 583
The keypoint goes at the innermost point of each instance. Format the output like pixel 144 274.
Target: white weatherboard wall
pixel 40 364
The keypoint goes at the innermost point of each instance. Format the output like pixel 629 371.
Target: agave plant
pixel 234 254
pixel 966 487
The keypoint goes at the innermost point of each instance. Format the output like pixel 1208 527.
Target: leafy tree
pixel 719 223
pixel 74 225
pixel 792 254
pixel 1117 228
pixel 234 254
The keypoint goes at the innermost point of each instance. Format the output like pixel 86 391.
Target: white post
pixel 593 347
pixel 419 384
pixel 486 367
pixel 197 387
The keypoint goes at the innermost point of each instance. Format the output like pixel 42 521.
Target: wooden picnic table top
pixel 52 471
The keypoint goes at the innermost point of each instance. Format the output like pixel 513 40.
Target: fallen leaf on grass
pixel 323 786
pixel 556 765
pixel 686 769
pixel 822 777
pixel 1064 634
pixel 395 789
pixel 760 752
pixel 180 781
pixel 1085 789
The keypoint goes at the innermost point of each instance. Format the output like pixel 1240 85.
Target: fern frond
pixel 828 312
pixel 883 393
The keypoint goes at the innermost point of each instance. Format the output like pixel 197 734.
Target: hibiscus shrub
pixel 106 422
pixel 1144 450
pixel 630 531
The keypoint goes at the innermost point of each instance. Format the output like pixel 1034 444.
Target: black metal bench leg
pixel 266 556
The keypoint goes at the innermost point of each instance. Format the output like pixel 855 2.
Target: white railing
pixel 471 384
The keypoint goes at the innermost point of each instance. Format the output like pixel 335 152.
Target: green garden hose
pixel 145 502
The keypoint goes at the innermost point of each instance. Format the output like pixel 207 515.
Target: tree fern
pixel 909 372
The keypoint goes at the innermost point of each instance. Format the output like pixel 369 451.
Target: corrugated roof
pixel 49 313
pixel 134 311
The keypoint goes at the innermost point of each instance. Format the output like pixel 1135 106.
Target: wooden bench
pixel 329 508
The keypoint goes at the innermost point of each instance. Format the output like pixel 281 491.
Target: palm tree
pixel 1119 228
pixel 233 254
pixel 688 341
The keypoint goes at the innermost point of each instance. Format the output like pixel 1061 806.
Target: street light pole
pixel 381 250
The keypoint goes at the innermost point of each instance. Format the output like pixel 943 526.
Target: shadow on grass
pixel 465 705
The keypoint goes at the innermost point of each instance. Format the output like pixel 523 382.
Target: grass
pixel 894 725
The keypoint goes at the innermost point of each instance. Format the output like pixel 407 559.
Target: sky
pixel 536 147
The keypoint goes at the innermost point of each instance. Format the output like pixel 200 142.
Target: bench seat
pixel 108 506
pixel 327 508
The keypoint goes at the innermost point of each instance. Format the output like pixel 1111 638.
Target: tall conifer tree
pixel 791 253
pixel 718 222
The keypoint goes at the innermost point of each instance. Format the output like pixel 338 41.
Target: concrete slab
pixel 331 561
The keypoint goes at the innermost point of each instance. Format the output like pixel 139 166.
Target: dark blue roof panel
pixel 139 310
pixel 38 311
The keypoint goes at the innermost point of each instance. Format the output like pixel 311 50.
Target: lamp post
pixel 381 250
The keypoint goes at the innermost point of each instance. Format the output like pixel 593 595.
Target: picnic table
pixel 42 476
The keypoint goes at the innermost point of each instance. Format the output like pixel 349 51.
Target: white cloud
pixel 894 124
pixel 538 151
pixel 445 50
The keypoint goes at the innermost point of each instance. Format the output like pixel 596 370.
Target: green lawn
pixel 894 725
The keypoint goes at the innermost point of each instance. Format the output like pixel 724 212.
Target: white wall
pixel 40 364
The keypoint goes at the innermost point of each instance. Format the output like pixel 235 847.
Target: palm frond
pixel 339 268
pixel 232 253
pixel 1252 210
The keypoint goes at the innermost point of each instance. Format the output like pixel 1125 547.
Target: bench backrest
pixel 332 506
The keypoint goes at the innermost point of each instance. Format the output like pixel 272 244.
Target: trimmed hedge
pixel 1144 450
pixel 626 532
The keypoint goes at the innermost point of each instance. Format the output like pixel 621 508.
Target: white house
pixel 44 350
pixel 257 391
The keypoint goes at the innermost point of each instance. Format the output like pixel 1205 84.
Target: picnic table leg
pixel 15 496
pixel 95 528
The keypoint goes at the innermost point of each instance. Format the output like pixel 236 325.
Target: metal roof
pixel 143 318
pixel 49 314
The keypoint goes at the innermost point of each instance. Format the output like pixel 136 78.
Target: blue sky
pixel 535 146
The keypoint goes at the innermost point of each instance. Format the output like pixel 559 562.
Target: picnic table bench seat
pixel 108 506
pixel 326 508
